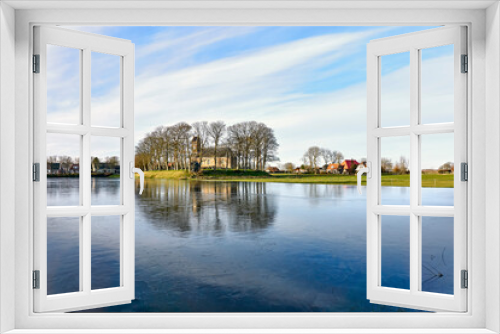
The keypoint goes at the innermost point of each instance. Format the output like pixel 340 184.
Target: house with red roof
pixel 271 169
pixel 347 164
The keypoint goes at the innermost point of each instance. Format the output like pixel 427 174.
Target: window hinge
pixel 36 63
pixel 36 172
pixel 465 64
pixel 36 279
pixel 464 171
pixel 465 279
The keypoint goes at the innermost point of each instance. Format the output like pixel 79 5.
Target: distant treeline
pixel 251 144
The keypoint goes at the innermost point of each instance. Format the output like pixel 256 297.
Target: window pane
pixel 395 89
pixel 437 85
pixel 395 246
pixel 105 157
pixel 63 169
pixel 394 164
pixel 105 93
pixel 437 254
pixel 63 85
pixel 105 252
pixel 63 255
pixel 438 168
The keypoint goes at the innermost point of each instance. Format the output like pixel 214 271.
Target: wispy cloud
pixel 265 85
pixel 189 44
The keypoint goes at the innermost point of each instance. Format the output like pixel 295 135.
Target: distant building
pixel 53 168
pixel 273 170
pixel 447 168
pixel 225 158
pixel 58 168
pixel 300 170
pixel 347 164
pixel 332 168
pixel 74 169
pixel 107 168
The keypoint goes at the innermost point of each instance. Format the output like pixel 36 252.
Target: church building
pixel 206 159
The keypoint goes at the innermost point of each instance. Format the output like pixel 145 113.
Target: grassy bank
pixel 166 174
pixel 433 181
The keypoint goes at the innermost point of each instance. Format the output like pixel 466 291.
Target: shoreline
pixel 428 180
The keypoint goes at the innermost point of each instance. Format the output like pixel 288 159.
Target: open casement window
pixel 407 108
pixel 83 107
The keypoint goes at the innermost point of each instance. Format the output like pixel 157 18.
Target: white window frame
pixel 483 214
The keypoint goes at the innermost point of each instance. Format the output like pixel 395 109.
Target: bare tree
pixel 141 161
pixel 65 159
pixel 268 147
pixel 289 167
pixel 241 136
pixel 306 161
pixel 216 130
pixel 113 161
pixel 327 155
pixel 338 156
pixel 236 140
pixel 401 167
pixel 385 165
pixel 52 159
pixel 180 140
pixel 166 141
pixel 313 154
pixel 66 162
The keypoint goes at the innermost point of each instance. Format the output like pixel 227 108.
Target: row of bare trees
pixel 165 147
pixel 64 159
pixel 111 162
pixel 254 144
pixel 66 162
pixel 251 144
pixel 399 167
pixel 312 157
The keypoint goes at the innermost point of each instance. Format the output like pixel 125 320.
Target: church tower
pixel 195 150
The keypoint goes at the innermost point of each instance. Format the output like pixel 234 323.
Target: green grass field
pixel 429 181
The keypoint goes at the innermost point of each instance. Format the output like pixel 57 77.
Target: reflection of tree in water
pixel 316 193
pixel 101 185
pixel 207 207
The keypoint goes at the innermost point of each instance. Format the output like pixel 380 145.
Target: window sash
pixel 414 298
pixel 85 298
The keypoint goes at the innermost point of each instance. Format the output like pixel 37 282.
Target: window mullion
pixel 85 176
pixel 414 167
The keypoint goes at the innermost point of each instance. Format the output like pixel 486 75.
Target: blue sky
pixel 308 83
